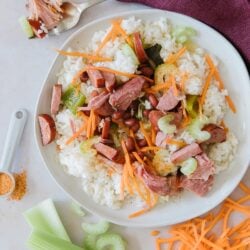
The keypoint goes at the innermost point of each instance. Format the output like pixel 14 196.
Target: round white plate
pixel 235 76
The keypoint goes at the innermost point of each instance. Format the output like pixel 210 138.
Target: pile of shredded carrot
pixel 174 57
pixel 200 233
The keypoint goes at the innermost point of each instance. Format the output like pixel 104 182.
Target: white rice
pixel 96 182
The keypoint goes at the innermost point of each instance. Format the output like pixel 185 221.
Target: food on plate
pixel 142 115
pixel 44 15
pixel 47 128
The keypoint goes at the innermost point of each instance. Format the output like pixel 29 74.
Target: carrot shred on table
pixel 145 134
pixel 84 55
pixel 117 72
pixel 174 57
pixel 221 84
pixel 199 233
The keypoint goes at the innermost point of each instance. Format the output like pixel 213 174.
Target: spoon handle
pixel 15 130
pixel 87 4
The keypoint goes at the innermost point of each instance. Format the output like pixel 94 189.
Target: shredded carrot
pixel 178 143
pixel 155 232
pixel 132 134
pixel 221 84
pixel 174 57
pixel 244 188
pixel 77 134
pixel 138 158
pixel 118 72
pixel 222 124
pixel 150 148
pixel 153 135
pixel 140 212
pixel 117 26
pixel 197 233
pixel 147 137
pixel 159 87
pixel 84 55
pixel 127 159
pixel 206 86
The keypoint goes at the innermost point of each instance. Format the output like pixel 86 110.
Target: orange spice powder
pixel 21 186
pixel 5 183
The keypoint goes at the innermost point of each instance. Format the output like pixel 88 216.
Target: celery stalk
pixel 44 217
pixel 39 240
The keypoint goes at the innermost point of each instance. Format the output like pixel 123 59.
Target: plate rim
pixel 36 126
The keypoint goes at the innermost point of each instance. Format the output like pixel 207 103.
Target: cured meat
pixel 186 152
pixel 154 116
pixel 56 98
pixel 96 78
pixel 109 80
pixel 47 128
pixel 218 134
pixel 105 150
pixel 128 92
pixel 160 139
pixel 168 101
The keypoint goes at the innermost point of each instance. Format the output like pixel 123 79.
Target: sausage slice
pixel 47 128
pixel 96 78
pixel 106 151
pixel 56 98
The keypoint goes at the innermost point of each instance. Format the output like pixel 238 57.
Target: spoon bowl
pixel 13 183
pixel 71 15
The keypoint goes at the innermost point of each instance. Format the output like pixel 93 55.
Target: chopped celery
pixel 183 34
pixel 189 166
pixel 163 72
pixel 39 240
pixel 90 242
pixel 195 129
pixel 113 241
pixel 86 146
pixel 73 99
pixel 165 126
pixel 26 27
pixel 129 52
pixel 96 228
pixel 192 105
pixel 44 217
pixel 77 209
pixel 139 114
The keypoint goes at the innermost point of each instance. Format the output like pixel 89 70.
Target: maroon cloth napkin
pixel 230 17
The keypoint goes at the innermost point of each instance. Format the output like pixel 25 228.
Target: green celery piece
pixel 90 242
pixel 73 99
pixel 44 217
pixel 165 126
pixel 40 240
pixel 189 166
pixel 26 27
pixel 195 129
pixel 113 241
pixel 96 228
pixel 192 105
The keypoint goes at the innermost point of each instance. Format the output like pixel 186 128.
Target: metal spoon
pixel 16 126
pixel 71 15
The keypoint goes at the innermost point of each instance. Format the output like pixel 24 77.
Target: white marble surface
pixel 23 66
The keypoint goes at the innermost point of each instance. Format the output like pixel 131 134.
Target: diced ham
pixel 47 128
pixel 186 152
pixel 105 150
pixel 168 101
pixel 56 98
pixel 158 184
pixel 109 80
pixel 198 186
pixel 128 92
pixel 154 116
pixel 105 110
pixel 204 169
pixel 97 101
pixel 178 116
pixel 218 134
pixel 96 78
pixel 160 139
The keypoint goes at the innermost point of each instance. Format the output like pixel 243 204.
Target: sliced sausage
pixel 168 101
pixel 128 92
pixel 218 134
pixel 96 78
pixel 185 152
pixel 158 184
pixel 198 186
pixel 139 50
pixel 105 128
pixel 146 70
pixel 47 128
pixel 204 169
pixel 154 116
pixel 56 98
pixel 109 80
pixel 84 77
pixel 98 101
pixel 106 151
